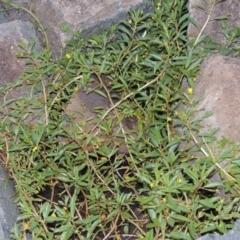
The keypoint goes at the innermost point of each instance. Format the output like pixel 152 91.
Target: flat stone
pixel 219 84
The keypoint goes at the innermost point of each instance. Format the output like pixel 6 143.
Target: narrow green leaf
pixel 209 203
pixel 125 30
pixel 213 185
pixel 64 228
pixel 180 217
pixel 66 235
pixel 88 220
pixel 192 230
pixel 179 235
pixel 222 17
pixel 73 204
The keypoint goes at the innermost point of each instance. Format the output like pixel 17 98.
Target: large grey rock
pixel 219 84
pixel 11 67
pixel 10 35
pixel 88 15
pixel 226 7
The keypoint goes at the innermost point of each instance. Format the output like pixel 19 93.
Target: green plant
pixel 152 191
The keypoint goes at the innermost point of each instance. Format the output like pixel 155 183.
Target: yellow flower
pixel 180 180
pixel 53 215
pixel 35 149
pixel 103 217
pixel 221 201
pixel 190 91
pixel 159 4
pixel 68 56
pixel 151 185
pixel 130 21
pixel 25 225
pixel 76 89
pixel 169 119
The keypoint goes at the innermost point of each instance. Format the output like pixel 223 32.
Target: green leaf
pixel 52 219
pixel 183 18
pixel 125 30
pixel 201 39
pixel 88 220
pixel 193 21
pixel 194 64
pixel 192 230
pixel 192 174
pixel 64 27
pixel 179 235
pixel 145 200
pixel 45 209
pixel 207 114
pixel 214 185
pixel 66 235
pixel 222 17
pixel 73 204
pixel 207 229
pixel 126 62
pixel 64 228
pixel 149 235
pixel 126 215
pixel 209 202
pixel 225 51
pixel 180 217
pixel 8 102
pixel 143 178
pixel 225 154
pixel 152 214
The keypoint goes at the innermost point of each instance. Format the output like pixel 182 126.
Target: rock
pixel 10 69
pixel 229 7
pixel 233 234
pixel 219 84
pixel 8 210
pixel 3 17
pixel 87 15
pixel 10 35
